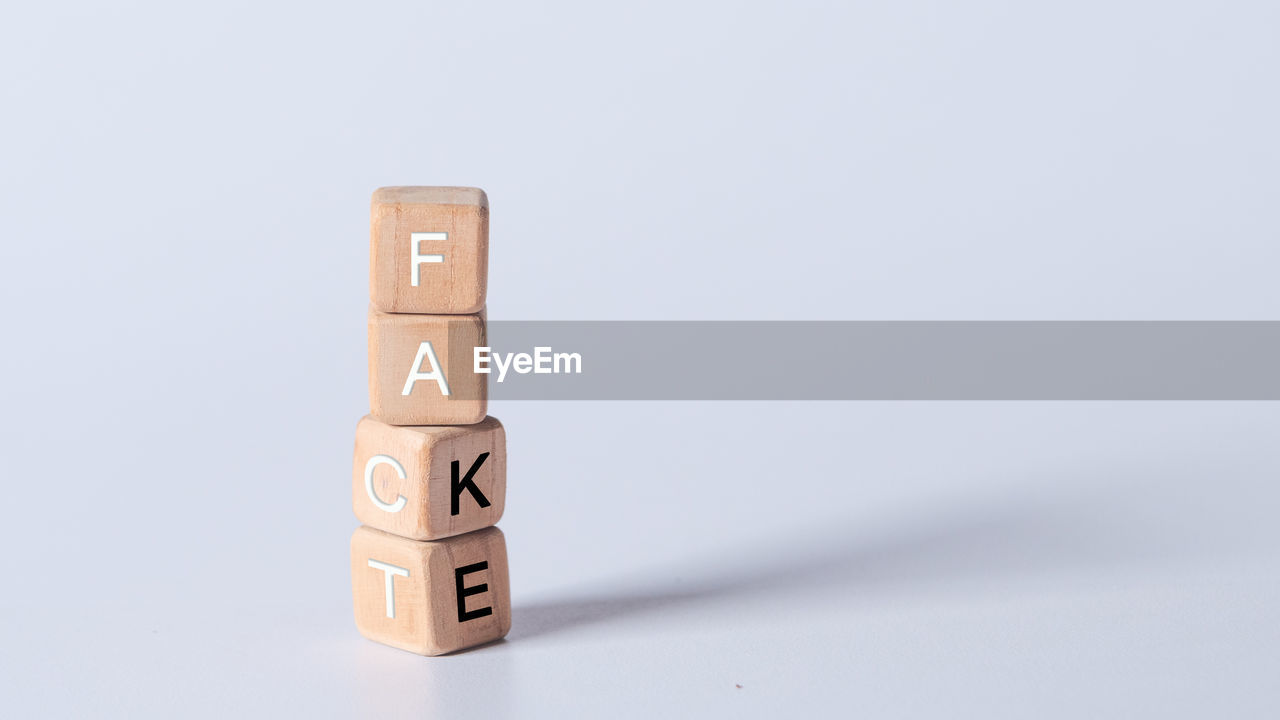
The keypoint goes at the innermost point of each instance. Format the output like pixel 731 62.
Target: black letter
pixel 465 592
pixel 467 483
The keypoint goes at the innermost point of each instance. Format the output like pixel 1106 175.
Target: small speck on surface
pixel 737 686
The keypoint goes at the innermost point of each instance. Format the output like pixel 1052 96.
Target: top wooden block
pixel 429 250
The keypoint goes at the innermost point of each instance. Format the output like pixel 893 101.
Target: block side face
pixel 429 257
pixel 473 465
pixel 397 505
pixel 405 622
pixel 375 353
pixel 417 345
pixel 501 583
pixel 477 563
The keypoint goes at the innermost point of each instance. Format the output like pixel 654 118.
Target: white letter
pixel 523 363
pixel 541 360
pixel 571 360
pixel 415 259
pixel 391 571
pixel 502 368
pixel 374 462
pixel 482 360
pixel 425 350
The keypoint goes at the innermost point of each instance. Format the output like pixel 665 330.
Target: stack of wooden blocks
pixel 428 569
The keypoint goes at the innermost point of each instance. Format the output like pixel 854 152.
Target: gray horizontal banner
pixel 881 360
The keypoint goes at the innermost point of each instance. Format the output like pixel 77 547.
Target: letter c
pixel 375 461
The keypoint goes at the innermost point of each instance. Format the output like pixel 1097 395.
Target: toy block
pixel 421 369
pixel 431 597
pixel 429 250
pixel 427 483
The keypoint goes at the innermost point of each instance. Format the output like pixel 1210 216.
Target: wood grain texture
pixel 427 456
pixel 455 285
pixel 394 344
pixel 426 602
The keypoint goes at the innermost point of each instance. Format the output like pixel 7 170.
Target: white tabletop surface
pixel 996 559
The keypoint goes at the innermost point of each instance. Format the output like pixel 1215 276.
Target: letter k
pixel 467 483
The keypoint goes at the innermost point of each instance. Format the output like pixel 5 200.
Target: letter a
pixel 415 372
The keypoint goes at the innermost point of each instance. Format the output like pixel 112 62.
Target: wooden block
pixel 429 250
pixel 433 597
pixel 428 483
pixel 421 369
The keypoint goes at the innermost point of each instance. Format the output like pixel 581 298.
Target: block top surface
pixel 430 195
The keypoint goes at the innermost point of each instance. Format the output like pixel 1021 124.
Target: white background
pixel 183 211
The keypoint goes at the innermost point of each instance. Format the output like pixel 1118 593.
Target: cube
pixel 429 250
pixel 427 483
pixel 431 597
pixel 422 369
